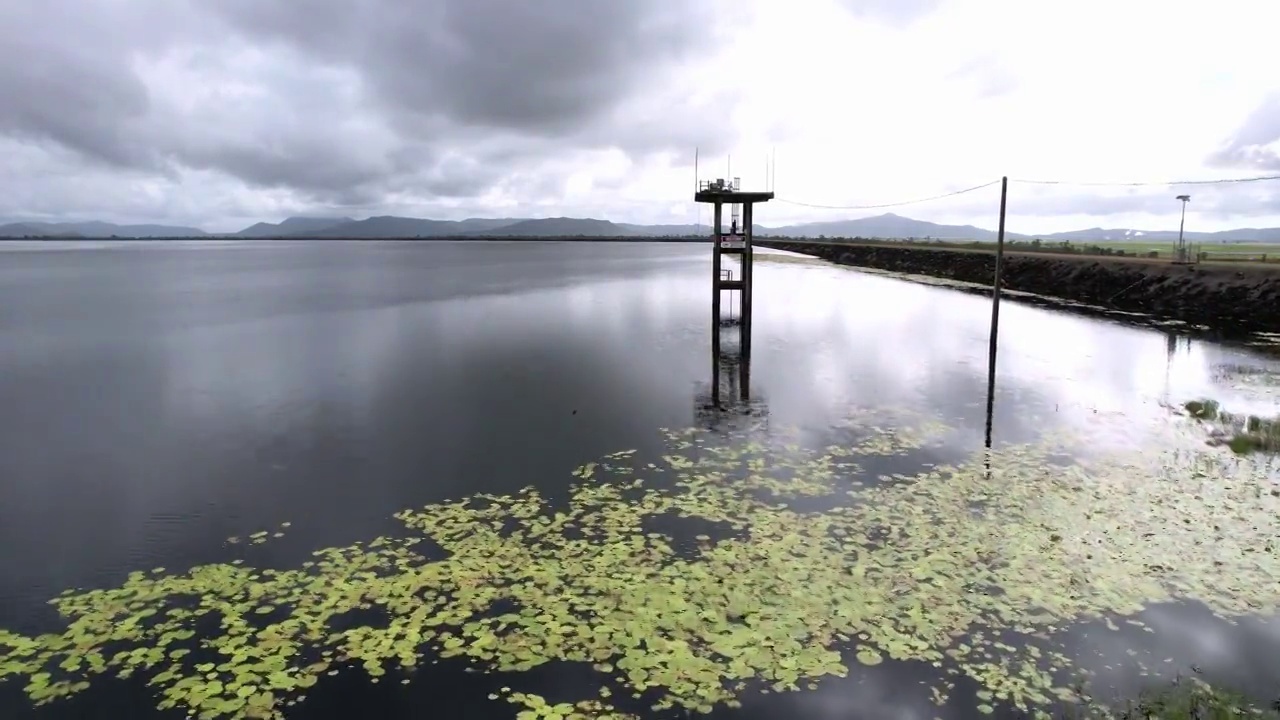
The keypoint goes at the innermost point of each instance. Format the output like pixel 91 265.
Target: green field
pixel 1256 252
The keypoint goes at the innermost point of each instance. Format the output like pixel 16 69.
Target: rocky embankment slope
pixel 1228 297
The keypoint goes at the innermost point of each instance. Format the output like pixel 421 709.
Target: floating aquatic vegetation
pixel 261 536
pixel 975 568
pixel 1203 409
pixel 1243 434
pixel 537 708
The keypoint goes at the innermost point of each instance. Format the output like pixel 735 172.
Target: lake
pixel 508 453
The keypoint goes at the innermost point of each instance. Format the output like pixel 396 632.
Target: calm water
pixel 157 398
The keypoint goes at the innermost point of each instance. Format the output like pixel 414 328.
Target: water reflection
pixel 726 402
pixel 869 340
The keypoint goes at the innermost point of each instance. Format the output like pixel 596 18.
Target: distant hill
pixel 480 225
pixel 291 226
pixel 560 227
pixel 20 230
pixel 667 230
pixel 390 226
pixel 887 225
pixel 96 229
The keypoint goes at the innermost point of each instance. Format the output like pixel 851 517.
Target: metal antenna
pixel 1182 243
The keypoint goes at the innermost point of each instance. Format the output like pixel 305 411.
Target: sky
pixel 222 113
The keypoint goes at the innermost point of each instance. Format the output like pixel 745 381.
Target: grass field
pixel 1211 251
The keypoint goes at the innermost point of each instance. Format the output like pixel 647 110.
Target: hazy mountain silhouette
pixel 887 226
pixel 291 226
pixel 389 226
pixel 96 229
pixel 562 227
pixel 17 230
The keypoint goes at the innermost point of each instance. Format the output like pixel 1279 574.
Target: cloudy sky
pixel 220 113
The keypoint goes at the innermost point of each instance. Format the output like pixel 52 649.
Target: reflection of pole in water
pixel 731 373
pixel 991 402
pixel 732 380
pixel 715 368
pixel 991 405
pixel 729 399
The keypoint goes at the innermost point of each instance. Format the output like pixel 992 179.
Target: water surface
pixel 158 398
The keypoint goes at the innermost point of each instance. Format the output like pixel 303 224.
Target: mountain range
pixel 889 226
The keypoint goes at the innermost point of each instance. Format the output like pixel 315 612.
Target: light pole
pixel 1182 243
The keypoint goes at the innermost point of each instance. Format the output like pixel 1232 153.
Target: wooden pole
pixel 995 311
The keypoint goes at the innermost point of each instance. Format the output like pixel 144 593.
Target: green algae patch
pixel 819 572
pixel 536 707
pixel 1202 409
pixel 1242 434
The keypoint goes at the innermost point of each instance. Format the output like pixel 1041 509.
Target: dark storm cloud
pixel 348 100
pixel 1247 146
pixel 62 80
pixel 895 13
pixel 541 67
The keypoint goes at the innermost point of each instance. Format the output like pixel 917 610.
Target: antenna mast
pixel 697 186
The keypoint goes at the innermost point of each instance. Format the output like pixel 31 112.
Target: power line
pixel 888 205
pixel 1223 181
pixel 1162 183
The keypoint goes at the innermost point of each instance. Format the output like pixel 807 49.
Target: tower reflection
pixel 727 402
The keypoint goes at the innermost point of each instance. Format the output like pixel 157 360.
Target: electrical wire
pixel 1223 181
pixel 888 205
pixel 1162 183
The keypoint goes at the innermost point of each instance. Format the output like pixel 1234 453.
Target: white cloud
pixel 866 102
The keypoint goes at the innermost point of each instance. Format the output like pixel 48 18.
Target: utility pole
pixel 1182 243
